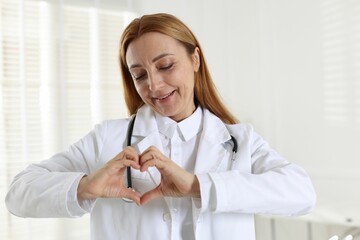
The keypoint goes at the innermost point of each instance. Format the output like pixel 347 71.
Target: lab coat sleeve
pixel 49 189
pixel 274 186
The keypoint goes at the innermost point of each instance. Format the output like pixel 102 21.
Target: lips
pixel 164 97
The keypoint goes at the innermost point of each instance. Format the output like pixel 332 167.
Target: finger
pixel 145 157
pixel 151 163
pixel 150 153
pixel 151 149
pixel 121 165
pixel 132 195
pixel 150 195
pixel 129 163
pixel 131 151
pixel 128 153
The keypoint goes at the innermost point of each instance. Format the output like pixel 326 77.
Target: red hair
pixel 205 92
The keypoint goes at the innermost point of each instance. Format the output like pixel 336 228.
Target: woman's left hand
pixel 175 181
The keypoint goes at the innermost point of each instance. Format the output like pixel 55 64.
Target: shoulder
pixel 110 127
pixel 114 123
pixel 246 133
pixel 240 127
pixel 241 131
pixel 232 128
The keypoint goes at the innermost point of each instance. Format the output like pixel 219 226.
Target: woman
pixel 190 181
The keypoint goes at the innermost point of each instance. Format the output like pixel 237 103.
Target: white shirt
pixel 180 143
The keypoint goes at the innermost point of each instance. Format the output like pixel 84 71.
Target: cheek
pixel 141 89
pixel 185 78
pixel 189 81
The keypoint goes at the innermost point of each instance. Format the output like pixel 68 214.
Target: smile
pixel 164 97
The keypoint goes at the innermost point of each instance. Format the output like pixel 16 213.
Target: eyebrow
pixel 154 59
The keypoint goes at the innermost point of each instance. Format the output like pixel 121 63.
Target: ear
pixel 196 59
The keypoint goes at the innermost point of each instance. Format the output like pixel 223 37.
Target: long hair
pixel 205 92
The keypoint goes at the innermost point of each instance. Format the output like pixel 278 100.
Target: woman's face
pixel 163 74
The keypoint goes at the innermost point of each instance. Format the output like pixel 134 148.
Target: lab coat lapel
pixel 211 147
pixel 210 152
pixel 146 134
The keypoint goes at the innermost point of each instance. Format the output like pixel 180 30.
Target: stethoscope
pixel 128 143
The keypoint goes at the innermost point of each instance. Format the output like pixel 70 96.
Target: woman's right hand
pixel 108 181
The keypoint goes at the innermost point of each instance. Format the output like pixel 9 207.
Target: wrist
pixel 195 187
pixel 82 191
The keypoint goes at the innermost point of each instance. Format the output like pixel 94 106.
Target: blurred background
pixel 289 67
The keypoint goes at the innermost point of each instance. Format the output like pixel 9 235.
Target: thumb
pixel 130 194
pixel 150 195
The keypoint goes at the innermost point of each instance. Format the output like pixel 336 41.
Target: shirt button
pixel 166 217
pixel 174 210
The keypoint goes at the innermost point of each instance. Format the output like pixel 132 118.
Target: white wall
pixel 291 68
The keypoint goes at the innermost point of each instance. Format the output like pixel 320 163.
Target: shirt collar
pixel 187 128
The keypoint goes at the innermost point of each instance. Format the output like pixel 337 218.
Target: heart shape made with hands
pixel 175 181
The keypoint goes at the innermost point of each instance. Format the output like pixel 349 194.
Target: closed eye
pixel 166 67
pixel 139 77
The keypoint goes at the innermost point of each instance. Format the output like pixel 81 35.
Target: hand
pixel 175 181
pixel 108 181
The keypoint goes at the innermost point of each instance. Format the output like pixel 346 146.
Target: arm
pixel 49 189
pixel 273 186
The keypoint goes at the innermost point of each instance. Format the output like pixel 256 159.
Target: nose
pixel 155 82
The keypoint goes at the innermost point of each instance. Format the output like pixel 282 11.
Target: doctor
pixel 188 182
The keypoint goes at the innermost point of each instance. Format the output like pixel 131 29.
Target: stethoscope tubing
pixel 128 143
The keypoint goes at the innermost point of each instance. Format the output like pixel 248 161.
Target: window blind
pixel 59 76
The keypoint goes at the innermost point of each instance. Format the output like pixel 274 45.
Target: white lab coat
pixel 258 181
